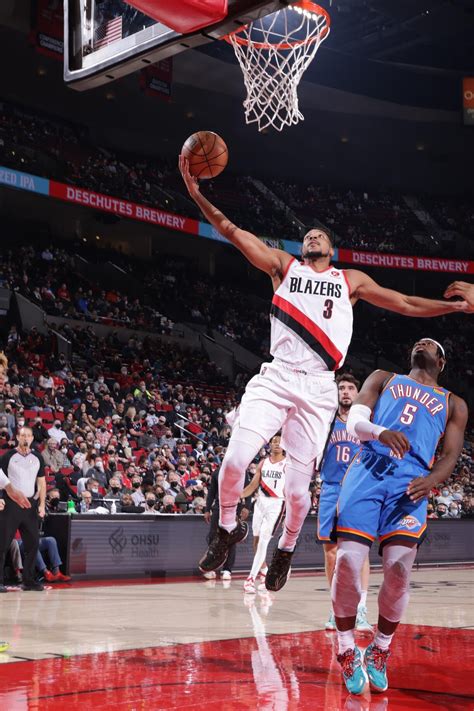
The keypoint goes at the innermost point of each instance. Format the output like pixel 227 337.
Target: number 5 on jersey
pixel 408 414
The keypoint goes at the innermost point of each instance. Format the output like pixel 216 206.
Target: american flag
pixel 108 32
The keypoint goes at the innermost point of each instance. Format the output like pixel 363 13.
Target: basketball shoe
pixel 278 570
pixel 331 623
pixel 249 586
pixel 4 646
pixel 354 675
pixel 375 660
pixel 216 554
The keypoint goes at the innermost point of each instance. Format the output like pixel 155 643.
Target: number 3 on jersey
pixel 408 414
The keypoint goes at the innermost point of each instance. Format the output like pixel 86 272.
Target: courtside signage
pixel 134 211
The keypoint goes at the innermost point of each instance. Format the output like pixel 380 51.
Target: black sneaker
pixel 216 554
pixel 278 570
pixel 3 589
pixel 36 587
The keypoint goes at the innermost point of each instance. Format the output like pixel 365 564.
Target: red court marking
pixel 430 669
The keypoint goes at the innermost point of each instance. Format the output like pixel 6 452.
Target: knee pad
pixel 395 591
pixel 346 585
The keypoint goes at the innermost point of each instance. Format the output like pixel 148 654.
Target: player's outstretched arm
pixel 365 288
pixel 452 447
pixel 462 289
pixel 271 261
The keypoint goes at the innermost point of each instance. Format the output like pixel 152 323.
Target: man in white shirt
pixel 56 432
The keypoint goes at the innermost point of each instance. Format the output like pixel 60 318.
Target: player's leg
pixel 304 436
pixel 298 501
pixel 262 412
pixel 269 525
pixel 330 550
pixel 29 531
pixel 326 522
pixel 358 513
pixel 362 624
pixel 398 559
pixel 257 522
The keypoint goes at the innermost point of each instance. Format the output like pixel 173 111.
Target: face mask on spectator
pixel 54 503
pixel 115 489
pixel 21 423
pixel 445 492
pixel 174 484
pixel 136 484
pixel 151 502
pixel 95 491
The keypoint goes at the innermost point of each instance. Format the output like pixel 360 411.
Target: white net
pixel 273 53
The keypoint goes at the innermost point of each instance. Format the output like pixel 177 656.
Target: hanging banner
pixel 156 79
pixel 48 28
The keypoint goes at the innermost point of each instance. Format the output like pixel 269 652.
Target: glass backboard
pixel 107 39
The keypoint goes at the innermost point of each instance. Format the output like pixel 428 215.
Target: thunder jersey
pixel 272 478
pixel 340 449
pixel 419 411
pixel 311 318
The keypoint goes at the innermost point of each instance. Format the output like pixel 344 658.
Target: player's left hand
pixel 41 511
pixel 419 488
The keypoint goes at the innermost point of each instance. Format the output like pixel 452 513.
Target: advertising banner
pixel 108 546
pixel 156 79
pixel 123 208
pixel 48 28
pixel 161 218
pixel 397 261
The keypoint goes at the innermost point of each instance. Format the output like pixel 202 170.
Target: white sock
pixel 229 527
pixel 383 640
pixel 345 641
pixel 363 598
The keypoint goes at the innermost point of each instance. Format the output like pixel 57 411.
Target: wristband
pixel 359 424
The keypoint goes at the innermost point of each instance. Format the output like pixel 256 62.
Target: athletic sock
pixel 229 528
pixel 363 599
pixel 345 641
pixel 383 640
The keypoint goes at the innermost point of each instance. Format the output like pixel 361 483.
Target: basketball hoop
pixel 273 53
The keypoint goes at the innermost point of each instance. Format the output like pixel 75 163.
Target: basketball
pixel 207 154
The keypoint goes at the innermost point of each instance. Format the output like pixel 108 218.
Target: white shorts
pixel 268 513
pixel 301 406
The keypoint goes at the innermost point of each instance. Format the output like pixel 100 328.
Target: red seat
pixel 59 416
pixel 30 414
pixel 47 416
pixel 65 471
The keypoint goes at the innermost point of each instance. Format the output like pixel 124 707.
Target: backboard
pixel 107 39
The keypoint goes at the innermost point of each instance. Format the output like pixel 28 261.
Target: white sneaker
pixel 249 586
pixel 226 575
pixel 210 575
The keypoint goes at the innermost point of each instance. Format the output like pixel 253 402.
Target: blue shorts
pixel 373 501
pixel 327 510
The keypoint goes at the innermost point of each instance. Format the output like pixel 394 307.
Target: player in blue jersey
pixel 384 495
pixel 340 449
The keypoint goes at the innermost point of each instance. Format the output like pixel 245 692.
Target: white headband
pixel 437 343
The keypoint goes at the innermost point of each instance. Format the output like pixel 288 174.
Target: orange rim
pixel 304 5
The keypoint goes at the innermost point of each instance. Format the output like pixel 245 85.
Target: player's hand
pixel 2 504
pixel 190 181
pixel 18 497
pixel 244 514
pixel 207 516
pixel 396 441
pixel 419 488
pixel 465 291
pixel 41 511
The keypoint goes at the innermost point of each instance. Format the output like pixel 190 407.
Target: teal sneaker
pixel 331 623
pixel 376 663
pixel 354 675
pixel 362 625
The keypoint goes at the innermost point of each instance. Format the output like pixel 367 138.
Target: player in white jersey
pixel 295 393
pixel 269 508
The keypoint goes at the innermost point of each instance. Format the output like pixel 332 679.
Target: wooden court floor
pixel 198 644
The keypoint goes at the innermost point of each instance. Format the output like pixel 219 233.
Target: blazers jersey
pixel 272 478
pixel 311 318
